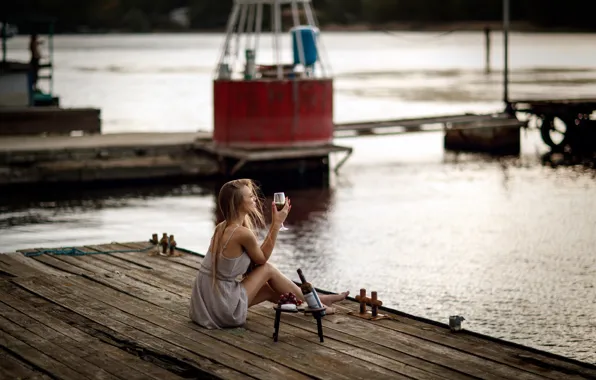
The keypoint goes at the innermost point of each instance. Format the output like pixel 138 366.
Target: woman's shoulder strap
pixel 229 238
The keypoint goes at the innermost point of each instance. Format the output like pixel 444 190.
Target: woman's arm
pixel 260 254
pixel 270 239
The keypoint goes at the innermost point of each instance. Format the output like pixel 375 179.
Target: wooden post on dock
pixel 487 69
pixel 362 299
pixel 374 303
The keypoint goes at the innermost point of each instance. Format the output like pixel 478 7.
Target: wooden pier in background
pixel 150 156
pixel 444 123
pixel 121 312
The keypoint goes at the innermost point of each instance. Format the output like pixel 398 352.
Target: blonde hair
pixel 229 201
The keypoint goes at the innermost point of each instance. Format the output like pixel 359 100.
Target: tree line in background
pixel 155 15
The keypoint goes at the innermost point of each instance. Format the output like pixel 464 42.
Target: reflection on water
pixel 570 159
pixel 459 85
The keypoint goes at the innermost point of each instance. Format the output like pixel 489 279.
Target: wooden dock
pixel 120 312
pixel 48 120
pixel 445 123
pixel 27 160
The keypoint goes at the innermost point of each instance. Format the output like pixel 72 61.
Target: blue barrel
pixel 309 44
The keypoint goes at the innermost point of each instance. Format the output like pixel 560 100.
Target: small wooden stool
pixel 315 312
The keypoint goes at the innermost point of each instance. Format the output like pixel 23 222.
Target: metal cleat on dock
pixel 172 245
pixel 164 242
pixel 455 322
pixel 155 241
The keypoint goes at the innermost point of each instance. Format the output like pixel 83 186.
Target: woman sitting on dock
pixel 218 300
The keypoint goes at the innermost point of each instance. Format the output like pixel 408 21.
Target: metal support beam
pixel 4 25
pixel 508 108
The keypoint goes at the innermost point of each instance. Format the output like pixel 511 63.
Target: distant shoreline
pixel 462 26
pixel 474 26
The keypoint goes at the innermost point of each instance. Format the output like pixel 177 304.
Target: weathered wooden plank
pixel 186 259
pixel 180 324
pixel 151 305
pixel 123 262
pixel 91 349
pixel 162 266
pixel 138 289
pixel 309 340
pixel 552 368
pixel 167 304
pixel 353 357
pixel 54 120
pixel 13 368
pixel 21 258
pixel 88 333
pixel 187 265
pixel 142 339
pixel 154 278
pixel 186 292
pixel 124 265
pixel 161 281
pixel 156 271
pixel 136 259
pixel 182 318
pixel 92 264
pixel 110 275
pixel 85 348
pixel 15 268
pixel 103 264
pixel 127 141
pixel 182 309
pixel 182 274
pixel 148 296
pixel 142 250
pixel 38 358
pixel 163 263
pixel 204 351
pixel 442 355
pixel 437 370
pixel 54 262
pixel 70 359
pixel 89 269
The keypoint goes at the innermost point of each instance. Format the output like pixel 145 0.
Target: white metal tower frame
pixel 246 19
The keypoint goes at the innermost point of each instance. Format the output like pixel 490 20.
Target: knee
pixel 270 269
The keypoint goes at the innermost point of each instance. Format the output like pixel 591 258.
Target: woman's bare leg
pixel 264 294
pixel 328 299
pixel 267 273
pixel 264 280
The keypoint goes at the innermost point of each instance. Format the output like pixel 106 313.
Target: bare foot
pixel 329 299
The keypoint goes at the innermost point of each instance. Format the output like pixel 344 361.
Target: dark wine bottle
pixel 309 293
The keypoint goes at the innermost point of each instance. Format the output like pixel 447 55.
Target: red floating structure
pixel 273 105
pixel 273 113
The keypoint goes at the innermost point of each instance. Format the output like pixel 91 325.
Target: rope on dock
pixel 73 251
pixel 189 251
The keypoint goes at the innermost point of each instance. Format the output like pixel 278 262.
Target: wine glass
pixel 280 200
